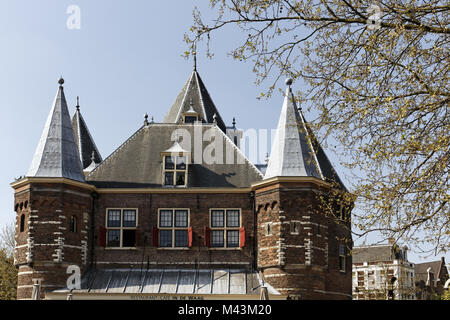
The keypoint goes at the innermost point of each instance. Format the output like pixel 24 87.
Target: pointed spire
pixel 295 151
pixel 78 103
pixel 146 119
pixel 56 154
pixel 83 139
pixel 194 90
pixel 292 153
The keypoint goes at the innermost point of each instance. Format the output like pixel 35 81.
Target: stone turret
pixel 303 222
pixel 53 205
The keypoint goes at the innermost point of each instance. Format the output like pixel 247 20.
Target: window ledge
pixel 177 248
pixel 118 248
pixel 224 248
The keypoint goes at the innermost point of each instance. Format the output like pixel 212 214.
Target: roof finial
pixel 146 119
pixel 194 53
pixel 288 82
pixel 93 156
pixel 61 81
pixel 215 118
pixel 78 103
pixel 152 121
pixel 234 123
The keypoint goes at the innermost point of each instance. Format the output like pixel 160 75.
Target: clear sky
pixel 125 60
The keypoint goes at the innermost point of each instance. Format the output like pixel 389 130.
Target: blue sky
pixel 124 61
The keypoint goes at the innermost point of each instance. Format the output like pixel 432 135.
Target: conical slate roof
pixel 84 140
pixel 194 95
pixel 295 151
pixel 56 154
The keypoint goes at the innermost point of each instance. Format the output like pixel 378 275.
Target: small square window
pixel 168 179
pixel 129 218
pixel 181 218
pixel 165 218
pixel 180 179
pixel 165 238
pixel 114 220
pixel 168 162
pixel 233 218
pixel 217 219
pixel 232 238
pixel 181 163
pixel 129 238
pixel 217 238
pixel 113 238
pixel 190 119
pixel 181 238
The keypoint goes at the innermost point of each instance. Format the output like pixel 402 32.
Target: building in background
pixel 154 221
pixel 382 272
pixel 430 279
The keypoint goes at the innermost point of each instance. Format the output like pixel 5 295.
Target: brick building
pixel 382 272
pixel 178 211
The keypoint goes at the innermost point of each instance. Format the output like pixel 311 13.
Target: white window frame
pixel 175 170
pixel 292 227
pixel 173 228
pixel 121 228
pixel 225 228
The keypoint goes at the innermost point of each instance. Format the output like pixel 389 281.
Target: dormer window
pixel 175 166
pixel 190 119
pixel 190 116
pixel 175 173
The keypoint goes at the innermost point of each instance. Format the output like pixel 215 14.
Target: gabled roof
pixel 295 151
pixel 56 154
pixel 379 253
pixel 195 95
pixel 421 270
pixel 137 163
pixel 85 142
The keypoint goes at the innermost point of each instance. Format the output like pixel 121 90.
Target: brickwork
pixel 300 254
pixel 46 246
pixel 296 246
pixel 199 206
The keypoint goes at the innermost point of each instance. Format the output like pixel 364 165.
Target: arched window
pixel 22 223
pixel 73 224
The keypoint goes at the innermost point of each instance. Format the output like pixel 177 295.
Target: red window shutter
pixel 155 237
pixel 190 237
pixel 102 236
pixel 241 237
pixel 207 234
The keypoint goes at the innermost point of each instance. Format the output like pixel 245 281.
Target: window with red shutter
pixel 241 237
